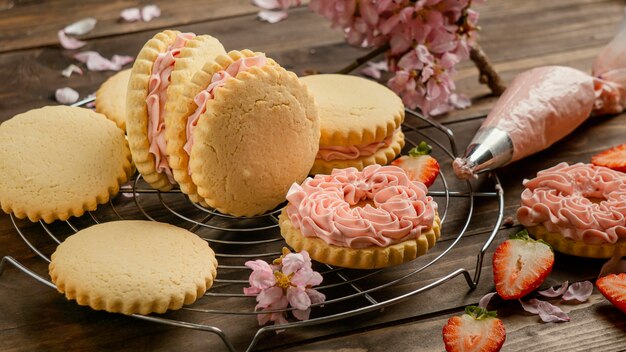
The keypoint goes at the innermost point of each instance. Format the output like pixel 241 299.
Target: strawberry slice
pixel 613 287
pixel 476 330
pixel 614 158
pixel 520 265
pixel 418 165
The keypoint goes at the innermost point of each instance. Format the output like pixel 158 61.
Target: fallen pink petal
pixel 150 12
pixel 66 95
pixel 615 265
pixel 132 14
pixel 95 61
pixel 548 313
pixel 266 4
pixel 552 293
pixel 579 291
pixel 272 16
pixel 68 42
pixel 81 27
pixel 375 69
pixel 484 302
pixel 67 72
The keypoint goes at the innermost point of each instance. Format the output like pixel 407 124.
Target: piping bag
pixel 543 105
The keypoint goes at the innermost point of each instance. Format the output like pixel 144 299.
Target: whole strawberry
pixel 520 265
pixel 419 165
pixel 478 330
pixel 613 287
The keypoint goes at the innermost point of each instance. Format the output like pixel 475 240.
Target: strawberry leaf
pixel 523 235
pixel 479 313
pixel 422 149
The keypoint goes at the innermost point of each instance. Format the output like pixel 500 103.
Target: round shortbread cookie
pixel 364 258
pixel 577 248
pixel 192 57
pixel 133 266
pixel 354 110
pixel 382 156
pixel 111 98
pixel 258 135
pixel 176 122
pixel 60 161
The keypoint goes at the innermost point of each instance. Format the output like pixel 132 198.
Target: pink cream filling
pixel 351 152
pixel 155 101
pixel 218 80
pixel 581 201
pixel 331 208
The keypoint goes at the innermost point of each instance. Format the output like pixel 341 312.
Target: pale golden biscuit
pixel 60 161
pixel 257 136
pixel 111 98
pixel 577 248
pixel 356 111
pixel 176 122
pixel 133 267
pixel 366 258
pixel 383 156
pixel 193 56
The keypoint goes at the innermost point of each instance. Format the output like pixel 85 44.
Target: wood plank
pixel 594 326
pixel 17 30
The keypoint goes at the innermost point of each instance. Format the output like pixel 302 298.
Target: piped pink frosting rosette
pixel 583 202
pixel 378 206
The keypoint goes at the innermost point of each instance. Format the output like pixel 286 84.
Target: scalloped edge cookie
pixel 258 136
pixel 176 120
pixel 111 98
pixel 364 258
pixel 193 56
pixel 156 267
pixel 48 174
pixel 382 157
pixel 354 110
pixel 577 248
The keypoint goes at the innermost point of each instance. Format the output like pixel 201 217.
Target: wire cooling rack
pixel 236 240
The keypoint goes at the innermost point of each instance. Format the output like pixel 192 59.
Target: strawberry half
pixel 614 158
pixel 613 287
pixel 476 330
pixel 520 265
pixel 418 165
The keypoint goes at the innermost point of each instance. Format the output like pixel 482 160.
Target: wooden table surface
pixel 516 35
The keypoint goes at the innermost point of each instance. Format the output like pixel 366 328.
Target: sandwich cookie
pixel 154 88
pixel 60 161
pixel 246 129
pixel 360 122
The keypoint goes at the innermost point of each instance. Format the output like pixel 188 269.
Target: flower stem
pixel 363 59
pixel 487 74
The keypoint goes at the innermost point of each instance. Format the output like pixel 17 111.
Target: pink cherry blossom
pixel 289 282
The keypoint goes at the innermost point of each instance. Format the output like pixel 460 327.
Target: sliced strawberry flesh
pixel 613 287
pixel 614 158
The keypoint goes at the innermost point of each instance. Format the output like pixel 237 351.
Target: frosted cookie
pixel 245 131
pixel 60 161
pixel 165 61
pixel 360 122
pixel 366 219
pixel 133 267
pixel 578 209
pixel 111 98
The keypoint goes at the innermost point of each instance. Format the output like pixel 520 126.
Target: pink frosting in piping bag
pixel 559 199
pixel 543 105
pixel 155 101
pixel 218 80
pixel 351 152
pixel 326 207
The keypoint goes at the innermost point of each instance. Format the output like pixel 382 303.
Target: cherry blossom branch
pixel 486 72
